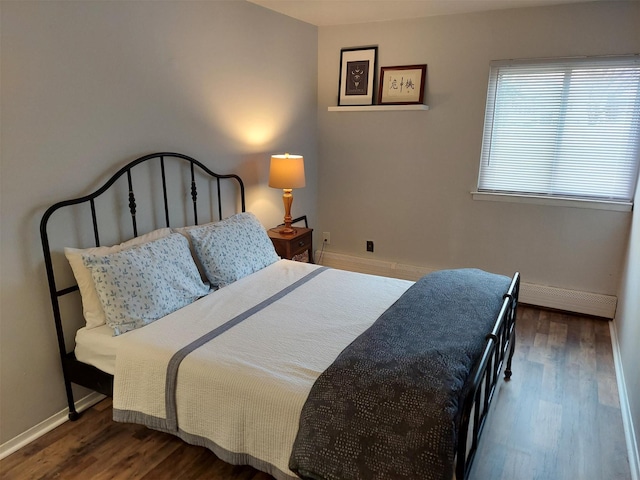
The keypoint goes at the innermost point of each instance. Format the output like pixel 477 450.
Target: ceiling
pixel 343 12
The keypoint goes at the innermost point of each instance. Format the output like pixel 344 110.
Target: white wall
pixel 403 179
pixel 87 86
pixel 627 322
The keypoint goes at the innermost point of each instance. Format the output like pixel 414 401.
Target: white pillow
pixel 139 285
pixel 91 307
pixel 233 248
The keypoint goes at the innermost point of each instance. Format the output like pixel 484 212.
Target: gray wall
pixel 627 320
pixel 87 86
pixel 403 179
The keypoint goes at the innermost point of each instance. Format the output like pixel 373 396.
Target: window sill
pixel 554 201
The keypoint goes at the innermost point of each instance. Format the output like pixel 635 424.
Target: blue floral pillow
pixel 144 283
pixel 232 248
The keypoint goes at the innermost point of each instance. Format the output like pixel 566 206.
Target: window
pixel 565 128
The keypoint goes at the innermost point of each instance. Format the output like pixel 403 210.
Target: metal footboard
pixel 500 346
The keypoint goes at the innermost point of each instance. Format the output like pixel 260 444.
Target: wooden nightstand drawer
pixel 288 246
pixel 301 244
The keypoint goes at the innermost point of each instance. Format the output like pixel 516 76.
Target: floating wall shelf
pixel 372 108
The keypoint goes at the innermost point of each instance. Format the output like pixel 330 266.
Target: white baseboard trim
pixel 47 425
pixel 625 408
pixel 587 303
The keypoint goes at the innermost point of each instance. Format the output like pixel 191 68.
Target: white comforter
pixel 241 393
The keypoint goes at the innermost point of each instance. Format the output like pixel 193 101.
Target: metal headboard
pixel 73 370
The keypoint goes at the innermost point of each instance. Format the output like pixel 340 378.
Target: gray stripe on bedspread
pixel 179 356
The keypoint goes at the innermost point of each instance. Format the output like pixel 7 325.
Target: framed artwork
pixel 403 85
pixel 357 72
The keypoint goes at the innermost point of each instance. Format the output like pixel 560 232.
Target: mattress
pixel 97 346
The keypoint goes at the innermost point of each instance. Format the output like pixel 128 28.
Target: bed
pixel 293 368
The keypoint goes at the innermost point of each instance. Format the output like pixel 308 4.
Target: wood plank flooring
pixel 558 418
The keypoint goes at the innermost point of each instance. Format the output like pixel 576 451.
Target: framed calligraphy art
pixel 402 85
pixel 357 75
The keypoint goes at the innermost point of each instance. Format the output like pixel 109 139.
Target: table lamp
pixel 287 172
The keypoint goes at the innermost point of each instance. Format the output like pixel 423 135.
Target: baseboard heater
pixel 575 301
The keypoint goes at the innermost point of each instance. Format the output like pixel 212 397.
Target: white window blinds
pixel 563 128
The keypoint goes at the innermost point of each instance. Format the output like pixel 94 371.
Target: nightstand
pixel 289 246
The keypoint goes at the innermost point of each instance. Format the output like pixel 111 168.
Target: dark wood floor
pixel 558 418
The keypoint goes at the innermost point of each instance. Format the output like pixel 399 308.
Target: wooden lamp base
pixel 287 199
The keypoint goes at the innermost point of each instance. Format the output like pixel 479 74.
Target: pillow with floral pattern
pixel 233 248
pixel 146 282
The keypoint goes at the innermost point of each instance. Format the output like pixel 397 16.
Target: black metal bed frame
pixel 73 370
pixel 483 382
pixel 479 391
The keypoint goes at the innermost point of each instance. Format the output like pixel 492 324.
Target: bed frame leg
pixel 512 348
pixel 511 324
pixel 73 414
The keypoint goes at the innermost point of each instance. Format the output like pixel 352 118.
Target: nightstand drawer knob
pixel 301 243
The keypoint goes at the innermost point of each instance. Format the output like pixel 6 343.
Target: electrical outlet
pixel 369 245
pixel 326 238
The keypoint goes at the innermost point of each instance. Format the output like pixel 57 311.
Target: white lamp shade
pixel 286 171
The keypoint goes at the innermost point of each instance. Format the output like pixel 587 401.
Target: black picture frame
pixel 357 75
